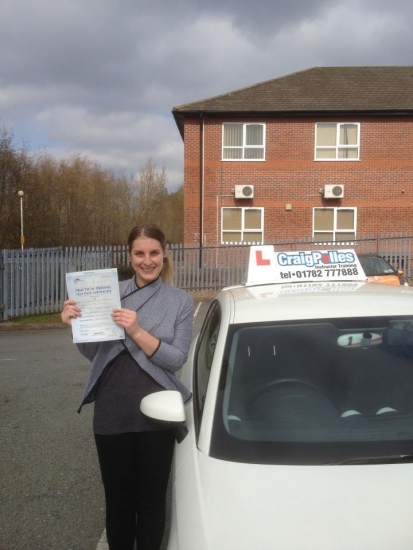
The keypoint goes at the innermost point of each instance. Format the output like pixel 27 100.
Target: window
pixel 334 224
pixel 337 141
pixel 243 141
pixel 242 225
pixel 204 356
pixel 308 392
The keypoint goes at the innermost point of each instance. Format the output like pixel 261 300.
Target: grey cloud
pixel 101 77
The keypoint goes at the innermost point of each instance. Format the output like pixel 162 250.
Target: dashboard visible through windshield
pixel 316 392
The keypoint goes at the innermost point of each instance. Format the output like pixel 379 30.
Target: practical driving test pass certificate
pixel 97 294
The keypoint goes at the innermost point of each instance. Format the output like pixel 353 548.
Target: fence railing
pixel 32 281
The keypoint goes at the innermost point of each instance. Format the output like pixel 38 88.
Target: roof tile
pixel 316 90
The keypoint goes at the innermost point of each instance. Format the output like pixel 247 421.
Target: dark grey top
pixel 120 390
pixel 166 313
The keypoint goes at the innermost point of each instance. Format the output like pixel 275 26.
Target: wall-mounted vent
pixel 244 192
pixel 333 191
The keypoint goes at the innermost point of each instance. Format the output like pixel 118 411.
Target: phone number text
pixel 315 273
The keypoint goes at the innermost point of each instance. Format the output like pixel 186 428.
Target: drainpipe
pixel 201 192
pixel 217 228
pixel 218 218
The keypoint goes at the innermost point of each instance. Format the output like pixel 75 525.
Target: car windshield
pixel 376 266
pixel 316 392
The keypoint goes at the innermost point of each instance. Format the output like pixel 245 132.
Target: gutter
pixel 179 115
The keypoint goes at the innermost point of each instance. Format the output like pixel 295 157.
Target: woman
pixel 135 454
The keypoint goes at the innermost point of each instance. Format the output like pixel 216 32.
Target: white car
pixel 299 434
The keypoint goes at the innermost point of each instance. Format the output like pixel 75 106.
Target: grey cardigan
pixel 166 313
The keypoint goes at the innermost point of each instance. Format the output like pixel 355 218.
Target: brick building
pixel 325 153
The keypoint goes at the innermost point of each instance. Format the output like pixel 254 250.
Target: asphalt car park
pixel 51 496
pixel 51 492
pixel 299 434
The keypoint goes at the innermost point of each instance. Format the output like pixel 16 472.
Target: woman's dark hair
pixel 152 231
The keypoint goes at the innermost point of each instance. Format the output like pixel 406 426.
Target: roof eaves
pixel 180 116
pixel 298 112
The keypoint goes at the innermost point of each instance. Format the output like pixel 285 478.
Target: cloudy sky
pixel 100 77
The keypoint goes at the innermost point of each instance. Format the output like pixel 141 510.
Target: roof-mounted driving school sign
pixel 268 266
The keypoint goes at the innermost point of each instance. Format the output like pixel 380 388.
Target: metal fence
pixel 32 281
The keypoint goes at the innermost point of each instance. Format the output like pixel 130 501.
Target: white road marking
pixel 197 310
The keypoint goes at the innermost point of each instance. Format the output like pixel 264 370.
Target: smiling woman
pixel 135 453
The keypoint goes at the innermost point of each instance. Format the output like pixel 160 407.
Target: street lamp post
pixel 21 195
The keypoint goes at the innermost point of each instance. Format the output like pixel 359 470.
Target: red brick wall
pixel 380 184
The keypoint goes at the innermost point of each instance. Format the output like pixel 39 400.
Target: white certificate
pixel 97 294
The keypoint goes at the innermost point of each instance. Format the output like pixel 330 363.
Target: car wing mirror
pixel 167 408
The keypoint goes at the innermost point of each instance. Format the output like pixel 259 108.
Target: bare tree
pixel 150 193
pixel 173 216
pixel 15 170
pixel 74 202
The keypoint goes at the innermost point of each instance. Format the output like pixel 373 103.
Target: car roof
pixel 295 301
pixel 369 255
pixel 321 284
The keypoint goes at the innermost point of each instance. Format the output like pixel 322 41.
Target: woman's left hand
pixel 127 319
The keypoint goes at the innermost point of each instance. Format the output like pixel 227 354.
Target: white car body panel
pixel 289 302
pixel 231 506
pixel 222 505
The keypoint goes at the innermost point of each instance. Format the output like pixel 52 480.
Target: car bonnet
pixel 247 506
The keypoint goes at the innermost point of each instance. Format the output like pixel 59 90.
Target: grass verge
pixel 41 319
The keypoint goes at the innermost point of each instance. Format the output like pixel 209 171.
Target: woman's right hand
pixel 70 310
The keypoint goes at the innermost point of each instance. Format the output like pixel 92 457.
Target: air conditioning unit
pixel 333 191
pixel 244 192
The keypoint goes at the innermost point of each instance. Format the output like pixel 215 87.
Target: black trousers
pixel 135 470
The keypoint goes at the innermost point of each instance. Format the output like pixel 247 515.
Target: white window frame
pixel 337 147
pixel 352 232
pixel 243 228
pixel 244 144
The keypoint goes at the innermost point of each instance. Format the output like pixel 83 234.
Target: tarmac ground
pixel 51 492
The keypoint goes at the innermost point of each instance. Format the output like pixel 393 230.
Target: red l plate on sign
pixel 260 259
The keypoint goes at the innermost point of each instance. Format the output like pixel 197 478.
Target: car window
pixel 376 266
pixel 204 356
pixel 317 391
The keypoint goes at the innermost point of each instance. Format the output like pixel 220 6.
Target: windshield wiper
pixel 386 459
